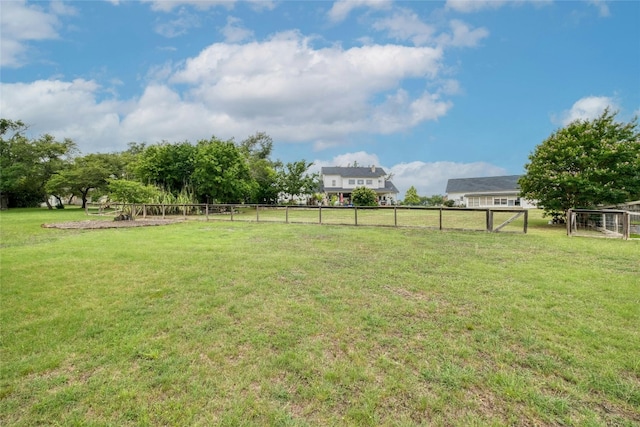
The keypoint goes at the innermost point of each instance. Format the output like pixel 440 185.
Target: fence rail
pixel 607 223
pixel 442 218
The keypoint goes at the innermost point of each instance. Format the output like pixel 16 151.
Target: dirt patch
pixel 94 225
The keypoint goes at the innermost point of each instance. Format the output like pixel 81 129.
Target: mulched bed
pixel 93 225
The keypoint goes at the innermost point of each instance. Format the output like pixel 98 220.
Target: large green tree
pixel 86 173
pixel 27 164
pixel 294 179
pixel 166 165
pixel 257 150
pixel 221 172
pixel 585 164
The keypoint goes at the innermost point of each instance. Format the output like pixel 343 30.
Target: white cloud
pixel 469 6
pixel 282 86
pixel 430 178
pixel 234 32
pixel 179 26
pixel 65 110
pixel 169 5
pixel 20 24
pixel 304 93
pixel 341 8
pixel 602 6
pixel 462 35
pixel 587 108
pixel 406 25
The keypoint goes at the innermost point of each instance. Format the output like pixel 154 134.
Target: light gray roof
pixel 483 184
pixel 354 172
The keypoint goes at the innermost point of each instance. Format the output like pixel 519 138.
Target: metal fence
pixel 442 218
pixel 606 223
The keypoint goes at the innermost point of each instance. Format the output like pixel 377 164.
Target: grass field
pixel 244 323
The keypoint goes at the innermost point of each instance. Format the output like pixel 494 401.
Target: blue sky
pixel 429 90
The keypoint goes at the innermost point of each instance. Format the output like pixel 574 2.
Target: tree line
pixel 209 171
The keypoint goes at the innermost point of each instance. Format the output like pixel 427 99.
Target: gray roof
pixel 484 184
pixel 354 172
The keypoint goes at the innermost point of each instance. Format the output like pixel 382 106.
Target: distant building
pixel 487 192
pixel 338 182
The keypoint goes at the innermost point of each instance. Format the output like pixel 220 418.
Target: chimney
pixel 373 168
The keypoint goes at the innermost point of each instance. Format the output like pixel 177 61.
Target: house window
pixel 333 182
pixel 352 182
pixel 369 182
pixel 499 202
pixel 361 182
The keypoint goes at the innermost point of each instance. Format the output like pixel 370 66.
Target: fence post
pixel 206 211
pixel 355 210
pixel 144 211
pixel 231 212
pixel 395 215
pixel 489 220
pixel 320 214
pixel 626 225
pixel 257 213
pixel 569 222
pixel 440 219
pixel 526 220
pixel 286 214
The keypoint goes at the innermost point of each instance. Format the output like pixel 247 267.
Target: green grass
pixel 244 323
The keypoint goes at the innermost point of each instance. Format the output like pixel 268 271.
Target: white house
pixel 341 181
pixel 487 192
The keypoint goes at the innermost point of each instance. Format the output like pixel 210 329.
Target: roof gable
pixel 354 172
pixel 485 184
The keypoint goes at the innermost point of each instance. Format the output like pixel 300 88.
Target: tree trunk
pixel 84 198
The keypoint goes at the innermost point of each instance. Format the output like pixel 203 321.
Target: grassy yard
pixel 244 323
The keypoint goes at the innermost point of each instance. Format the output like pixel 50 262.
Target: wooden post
pixel 526 220
pixel 163 210
pixel 395 216
pixel 355 210
pixel 286 214
pixel 231 212
pixel 257 213
pixel 184 211
pixel 569 222
pixel 440 219
pixel 206 211
pixel 489 220
pixel 626 225
pixel 144 211
pixel 320 215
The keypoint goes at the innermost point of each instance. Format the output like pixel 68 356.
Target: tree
pixel 257 150
pixel 169 166
pixel 90 172
pixel 221 172
pixel 294 179
pixel 363 196
pixel 585 164
pixel 411 197
pixel 435 200
pixel 26 165
pixel 126 191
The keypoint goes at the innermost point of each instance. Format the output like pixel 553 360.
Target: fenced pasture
pixel 476 219
pixel 605 223
pixel 234 323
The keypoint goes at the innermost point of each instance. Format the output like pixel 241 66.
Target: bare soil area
pixel 92 224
